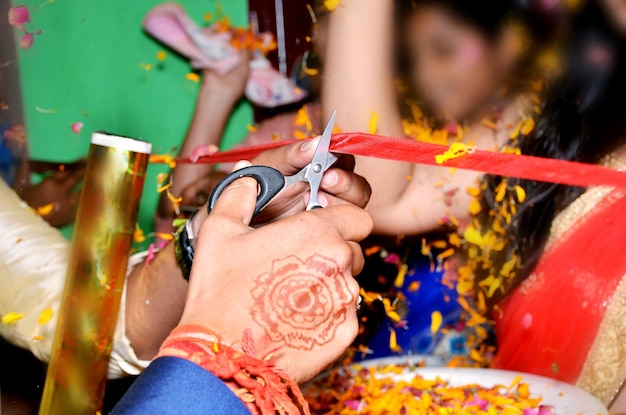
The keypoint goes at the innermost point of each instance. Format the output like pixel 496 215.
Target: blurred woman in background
pixel 464 68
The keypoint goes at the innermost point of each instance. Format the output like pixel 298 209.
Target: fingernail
pixel 323 200
pixel 308 143
pixel 331 178
pixel 241 164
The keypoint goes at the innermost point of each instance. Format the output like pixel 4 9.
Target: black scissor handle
pixel 270 181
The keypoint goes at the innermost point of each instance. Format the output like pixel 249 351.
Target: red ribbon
pixel 411 151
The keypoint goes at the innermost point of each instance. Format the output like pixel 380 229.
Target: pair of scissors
pixel 272 182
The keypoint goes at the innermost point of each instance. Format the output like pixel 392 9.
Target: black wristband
pixel 183 249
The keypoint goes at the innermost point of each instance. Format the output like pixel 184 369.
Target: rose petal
pixel 26 41
pixel 76 127
pixel 19 15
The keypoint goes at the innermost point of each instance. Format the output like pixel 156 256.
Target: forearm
pixel 207 127
pixel 359 82
pixel 213 109
pixel 155 300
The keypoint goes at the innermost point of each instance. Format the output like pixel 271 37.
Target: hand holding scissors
pixel 272 182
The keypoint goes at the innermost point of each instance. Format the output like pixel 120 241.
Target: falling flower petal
pixel 165 236
pixel 472 236
pixel 45 209
pixel 12 317
pixel 163 159
pixel 521 193
pixel 393 342
pixel 373 123
pixel 435 321
pixel 26 40
pixel 331 4
pixel 138 235
pixel 191 76
pixel 475 207
pixel 414 286
pixel 77 127
pixel 528 127
pixel 45 316
pixel 161 55
pixel 399 282
pixel 18 16
pixel 456 150
pixel 311 71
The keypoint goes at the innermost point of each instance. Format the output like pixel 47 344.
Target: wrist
pixel 218 94
pixel 254 379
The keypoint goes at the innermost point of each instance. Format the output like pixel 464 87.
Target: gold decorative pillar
pixel 106 219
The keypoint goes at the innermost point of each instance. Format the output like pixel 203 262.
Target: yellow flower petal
pixel 435 321
pixel 475 207
pixel 331 4
pixel 193 77
pixel 12 317
pixel 45 209
pixel 138 235
pixel 528 127
pixel 399 282
pixel 45 316
pixel 472 236
pixel 373 124
pixel 521 194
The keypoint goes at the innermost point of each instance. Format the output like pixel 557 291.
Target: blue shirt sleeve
pixel 174 386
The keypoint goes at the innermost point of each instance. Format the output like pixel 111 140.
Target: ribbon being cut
pixel 457 156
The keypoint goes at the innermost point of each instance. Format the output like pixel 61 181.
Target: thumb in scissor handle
pixel 270 181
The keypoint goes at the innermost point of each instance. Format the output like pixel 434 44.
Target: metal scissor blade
pixel 322 155
pixel 322 160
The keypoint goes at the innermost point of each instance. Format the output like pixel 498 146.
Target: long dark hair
pixel 583 118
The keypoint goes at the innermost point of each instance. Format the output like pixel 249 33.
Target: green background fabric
pixel 89 65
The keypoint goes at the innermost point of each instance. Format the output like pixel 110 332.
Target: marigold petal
pixel 45 316
pixel 12 317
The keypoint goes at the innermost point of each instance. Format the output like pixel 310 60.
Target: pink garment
pixel 206 48
pixel 211 48
pixel 269 88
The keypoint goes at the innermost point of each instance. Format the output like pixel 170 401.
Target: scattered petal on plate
pixel 77 127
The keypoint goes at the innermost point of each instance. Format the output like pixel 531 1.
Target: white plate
pixel 565 398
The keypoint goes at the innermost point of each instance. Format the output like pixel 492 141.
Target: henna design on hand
pixel 295 302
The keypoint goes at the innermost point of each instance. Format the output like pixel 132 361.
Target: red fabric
pixel 411 151
pixel 548 325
